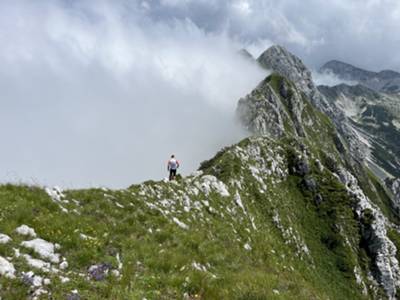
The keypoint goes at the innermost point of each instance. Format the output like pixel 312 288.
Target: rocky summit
pixel 306 207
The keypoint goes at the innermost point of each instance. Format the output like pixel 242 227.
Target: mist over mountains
pixel 85 106
pixel 81 82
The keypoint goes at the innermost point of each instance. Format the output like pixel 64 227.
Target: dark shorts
pixel 172 172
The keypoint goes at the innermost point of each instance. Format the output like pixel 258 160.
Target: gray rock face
pixel 375 118
pixel 273 111
pixel 281 61
pixel 396 193
pixel 387 81
pixel 261 111
pixel 381 248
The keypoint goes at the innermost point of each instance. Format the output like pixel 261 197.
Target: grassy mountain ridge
pixel 248 235
pixel 283 214
pixel 277 108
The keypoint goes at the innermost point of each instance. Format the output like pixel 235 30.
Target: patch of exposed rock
pixel 380 248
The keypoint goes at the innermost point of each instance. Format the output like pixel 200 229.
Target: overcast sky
pixel 101 93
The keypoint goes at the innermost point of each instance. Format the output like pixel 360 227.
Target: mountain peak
pixel 335 62
pixel 346 71
pixel 280 60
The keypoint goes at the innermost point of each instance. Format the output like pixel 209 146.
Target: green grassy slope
pixel 266 218
pixel 243 228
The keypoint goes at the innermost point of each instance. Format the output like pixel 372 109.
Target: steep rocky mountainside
pixel 278 108
pixel 376 119
pixel 370 138
pixel 281 61
pixel 292 212
pixel 386 81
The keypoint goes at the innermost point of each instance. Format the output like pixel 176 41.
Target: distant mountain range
pixel 372 106
pixel 386 81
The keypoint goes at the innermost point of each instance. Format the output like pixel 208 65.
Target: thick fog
pixel 93 96
pixel 101 93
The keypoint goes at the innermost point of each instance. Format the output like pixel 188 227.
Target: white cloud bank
pixel 329 79
pixel 93 94
pixel 102 92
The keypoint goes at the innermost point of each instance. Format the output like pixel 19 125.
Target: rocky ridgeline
pixel 191 203
pixel 284 63
pixel 281 61
pixel 187 213
pixel 276 108
pixel 221 195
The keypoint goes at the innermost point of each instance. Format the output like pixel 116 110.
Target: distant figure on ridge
pixel 173 165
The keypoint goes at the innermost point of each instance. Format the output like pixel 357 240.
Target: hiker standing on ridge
pixel 173 165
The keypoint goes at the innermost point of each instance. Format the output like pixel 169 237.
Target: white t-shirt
pixel 173 164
